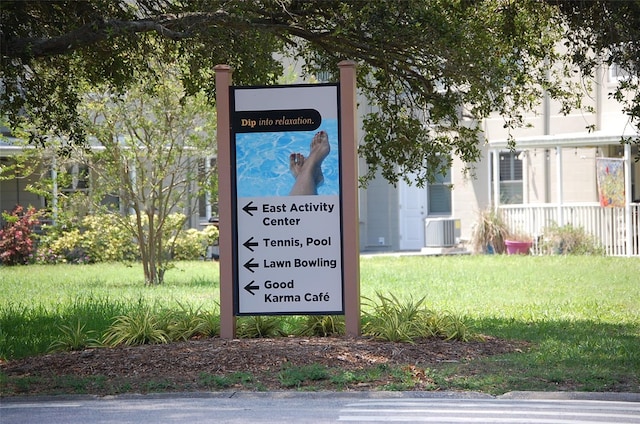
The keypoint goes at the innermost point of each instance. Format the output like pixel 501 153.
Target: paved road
pixel 412 407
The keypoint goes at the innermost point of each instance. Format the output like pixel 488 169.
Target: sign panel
pixel 287 219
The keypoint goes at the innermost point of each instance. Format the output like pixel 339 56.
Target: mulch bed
pixel 180 366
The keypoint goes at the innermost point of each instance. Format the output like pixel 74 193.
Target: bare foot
pixel 319 150
pixel 320 147
pixel 308 171
pixel 296 161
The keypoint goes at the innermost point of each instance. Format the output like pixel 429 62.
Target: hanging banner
pixel 610 176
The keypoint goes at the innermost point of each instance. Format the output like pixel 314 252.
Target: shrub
pixel 105 239
pixel 97 238
pixel 211 235
pixel 66 248
pixel 50 249
pixel 569 240
pixel 16 237
pixel 189 245
pixel 46 255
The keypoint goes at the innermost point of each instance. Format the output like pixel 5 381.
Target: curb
pixel 517 395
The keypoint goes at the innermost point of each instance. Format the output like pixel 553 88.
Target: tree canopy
pixel 430 70
pixel 607 32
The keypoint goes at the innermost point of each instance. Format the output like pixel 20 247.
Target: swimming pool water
pixel 262 161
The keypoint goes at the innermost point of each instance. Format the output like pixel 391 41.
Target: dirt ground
pixel 202 364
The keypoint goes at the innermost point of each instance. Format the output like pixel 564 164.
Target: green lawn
pixel 580 314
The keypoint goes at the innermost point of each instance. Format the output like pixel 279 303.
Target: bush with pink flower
pixel 16 236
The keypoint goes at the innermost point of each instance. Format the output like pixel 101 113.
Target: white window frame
pixel 511 188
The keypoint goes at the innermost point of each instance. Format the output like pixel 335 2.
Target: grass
pixel 40 300
pixel 581 314
pixel 212 381
pixel 292 376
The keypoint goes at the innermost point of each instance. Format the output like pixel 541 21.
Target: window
pixel 617 74
pixel 78 178
pixel 510 164
pixel 75 179
pixel 439 195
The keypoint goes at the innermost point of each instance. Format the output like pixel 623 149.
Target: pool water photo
pixel 262 161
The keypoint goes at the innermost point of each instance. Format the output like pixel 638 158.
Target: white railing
pixel 608 226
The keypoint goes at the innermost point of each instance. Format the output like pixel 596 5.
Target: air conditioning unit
pixel 441 232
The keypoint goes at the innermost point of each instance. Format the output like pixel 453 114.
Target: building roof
pixel 581 139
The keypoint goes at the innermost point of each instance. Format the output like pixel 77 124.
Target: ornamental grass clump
pixel 393 320
pixel 189 322
pixel 322 326
pixel 153 325
pixel 143 326
pixel 255 327
pixel 74 337
pixel 489 232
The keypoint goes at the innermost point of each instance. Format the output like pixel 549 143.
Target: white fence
pixel 608 226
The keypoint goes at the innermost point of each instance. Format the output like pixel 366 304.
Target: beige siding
pixel 380 217
pixel 470 193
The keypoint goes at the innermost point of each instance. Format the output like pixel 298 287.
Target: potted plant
pixel 518 243
pixel 489 233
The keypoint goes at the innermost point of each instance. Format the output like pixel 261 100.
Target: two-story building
pixel 560 173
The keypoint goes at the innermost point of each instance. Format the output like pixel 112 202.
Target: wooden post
pixel 349 191
pixel 227 317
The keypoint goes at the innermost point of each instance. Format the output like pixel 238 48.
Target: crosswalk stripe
pixel 491 411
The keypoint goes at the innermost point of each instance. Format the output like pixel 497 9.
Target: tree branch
pixel 98 31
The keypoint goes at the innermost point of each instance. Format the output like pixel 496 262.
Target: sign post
pixel 285 240
pixel 351 219
pixel 227 319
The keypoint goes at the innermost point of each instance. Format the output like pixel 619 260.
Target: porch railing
pixel 608 226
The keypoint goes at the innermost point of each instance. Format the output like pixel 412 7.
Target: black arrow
pixel 249 244
pixel 250 288
pixel 250 265
pixel 248 208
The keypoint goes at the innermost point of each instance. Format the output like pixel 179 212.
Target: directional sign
pixel 290 255
pixel 288 244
